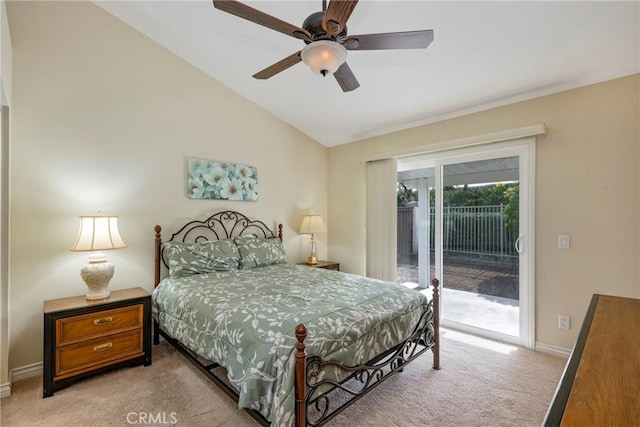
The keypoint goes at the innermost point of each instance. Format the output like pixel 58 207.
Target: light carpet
pixel 481 383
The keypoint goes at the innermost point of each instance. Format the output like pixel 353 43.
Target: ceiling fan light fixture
pixel 324 56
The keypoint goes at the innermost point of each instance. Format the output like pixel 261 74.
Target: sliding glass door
pixel 464 217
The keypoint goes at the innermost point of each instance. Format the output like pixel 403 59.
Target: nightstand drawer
pixel 73 359
pixel 93 325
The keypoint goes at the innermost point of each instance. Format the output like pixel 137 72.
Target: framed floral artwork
pixel 221 180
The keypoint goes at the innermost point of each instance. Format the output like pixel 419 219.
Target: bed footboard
pixel 301 389
pixel 314 408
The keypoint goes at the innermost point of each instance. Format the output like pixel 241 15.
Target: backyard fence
pixel 479 230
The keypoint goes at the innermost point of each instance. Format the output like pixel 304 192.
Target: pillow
pixel 185 259
pixel 256 252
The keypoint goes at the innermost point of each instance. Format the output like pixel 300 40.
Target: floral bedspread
pixel 245 320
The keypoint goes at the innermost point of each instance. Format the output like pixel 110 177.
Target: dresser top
pixel 606 388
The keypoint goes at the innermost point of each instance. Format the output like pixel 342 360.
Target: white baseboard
pixel 27 371
pixel 5 390
pixel 18 374
pixel 552 350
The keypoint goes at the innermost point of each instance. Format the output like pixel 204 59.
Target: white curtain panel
pixel 382 212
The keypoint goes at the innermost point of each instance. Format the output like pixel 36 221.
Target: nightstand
pixel 327 265
pixel 85 337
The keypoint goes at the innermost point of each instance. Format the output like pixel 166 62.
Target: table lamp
pixel 98 233
pixel 312 224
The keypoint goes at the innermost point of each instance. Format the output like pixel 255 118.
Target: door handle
pixel 518 245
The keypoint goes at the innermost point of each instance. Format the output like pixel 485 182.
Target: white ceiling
pixel 484 54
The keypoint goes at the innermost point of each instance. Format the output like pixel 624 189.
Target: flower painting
pixel 221 180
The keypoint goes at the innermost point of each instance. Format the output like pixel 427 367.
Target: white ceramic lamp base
pixel 97 275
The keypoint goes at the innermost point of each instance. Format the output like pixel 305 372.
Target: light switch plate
pixel 564 242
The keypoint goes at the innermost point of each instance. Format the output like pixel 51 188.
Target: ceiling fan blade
pixel 336 16
pixel 403 40
pixel 234 7
pixel 279 66
pixel 345 78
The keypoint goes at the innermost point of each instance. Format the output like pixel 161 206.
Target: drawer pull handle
pixel 102 347
pixel 103 321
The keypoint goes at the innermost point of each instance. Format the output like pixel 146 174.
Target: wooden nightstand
pixel 327 265
pixel 83 337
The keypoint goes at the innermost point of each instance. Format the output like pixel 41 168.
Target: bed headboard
pixel 221 225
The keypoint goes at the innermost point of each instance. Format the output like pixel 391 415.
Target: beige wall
pixel 5 101
pixel 104 119
pixel 5 56
pixel 587 185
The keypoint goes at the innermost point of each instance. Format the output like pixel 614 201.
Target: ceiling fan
pixel 327 42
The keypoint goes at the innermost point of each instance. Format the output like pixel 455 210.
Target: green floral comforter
pixel 245 320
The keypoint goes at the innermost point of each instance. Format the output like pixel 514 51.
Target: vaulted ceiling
pixel 484 54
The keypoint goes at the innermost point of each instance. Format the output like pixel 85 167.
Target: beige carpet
pixel 482 383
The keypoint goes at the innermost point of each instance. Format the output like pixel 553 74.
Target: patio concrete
pixel 494 313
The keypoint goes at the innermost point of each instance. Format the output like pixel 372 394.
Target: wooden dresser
pixel 83 337
pixel 601 382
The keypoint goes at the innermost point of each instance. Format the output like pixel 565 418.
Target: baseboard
pixel 18 374
pixel 552 350
pixel 5 390
pixel 27 371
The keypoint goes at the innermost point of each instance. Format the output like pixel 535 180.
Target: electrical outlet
pixel 564 321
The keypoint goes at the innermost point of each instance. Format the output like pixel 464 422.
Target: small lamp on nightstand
pixel 312 224
pixel 98 233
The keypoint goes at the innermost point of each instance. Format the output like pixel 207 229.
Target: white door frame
pixel 525 150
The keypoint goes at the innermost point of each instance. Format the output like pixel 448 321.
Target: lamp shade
pixel 98 233
pixel 324 56
pixel 312 224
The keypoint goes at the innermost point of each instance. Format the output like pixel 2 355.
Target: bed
pixel 292 345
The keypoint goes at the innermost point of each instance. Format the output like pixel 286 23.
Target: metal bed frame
pixel 316 400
